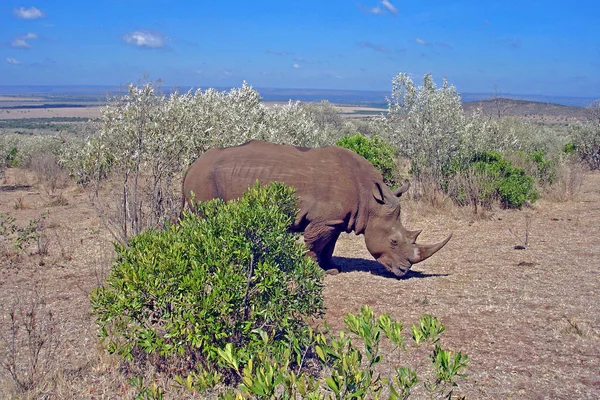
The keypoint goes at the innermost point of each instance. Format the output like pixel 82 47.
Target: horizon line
pixel 501 95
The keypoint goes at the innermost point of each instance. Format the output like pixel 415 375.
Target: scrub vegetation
pixel 226 305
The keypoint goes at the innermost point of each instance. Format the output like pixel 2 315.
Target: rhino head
pixel 392 245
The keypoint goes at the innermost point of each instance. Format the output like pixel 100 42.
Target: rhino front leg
pixel 325 258
pixel 320 241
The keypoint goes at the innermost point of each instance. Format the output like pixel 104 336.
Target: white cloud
pixel 20 42
pixel 421 41
pixel 28 13
pixel 373 46
pixel 277 53
pixel 12 61
pixel 153 40
pixel 389 6
pixel 297 66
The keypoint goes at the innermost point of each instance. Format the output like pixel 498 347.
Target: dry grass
pixel 529 319
pixel 50 175
pixel 80 112
pixel 569 182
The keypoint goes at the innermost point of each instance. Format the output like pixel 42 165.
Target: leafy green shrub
pixel 545 167
pixel 516 188
pixel 374 149
pixel 513 185
pixel 488 176
pixel 186 292
pixel 12 157
pixel 351 369
pixel 569 148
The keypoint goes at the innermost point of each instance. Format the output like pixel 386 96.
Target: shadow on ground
pixel 14 188
pixel 353 264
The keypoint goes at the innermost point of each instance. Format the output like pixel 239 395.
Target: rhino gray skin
pixel 338 191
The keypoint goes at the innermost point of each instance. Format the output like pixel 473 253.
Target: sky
pixel 520 47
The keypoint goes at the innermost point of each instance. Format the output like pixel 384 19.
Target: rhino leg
pixel 325 258
pixel 320 240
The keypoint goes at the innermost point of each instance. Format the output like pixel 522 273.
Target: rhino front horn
pixel 422 252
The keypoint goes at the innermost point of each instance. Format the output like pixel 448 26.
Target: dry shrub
pixel 29 338
pixel 135 205
pixel 20 204
pixel 569 180
pixel 57 200
pixel 427 191
pixel 48 171
pixel 472 188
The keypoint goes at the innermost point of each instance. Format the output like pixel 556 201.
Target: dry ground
pixel 529 319
pixel 95 111
pixel 51 112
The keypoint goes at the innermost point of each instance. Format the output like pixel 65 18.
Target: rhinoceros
pixel 338 191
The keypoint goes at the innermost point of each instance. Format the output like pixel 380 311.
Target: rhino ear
pixel 378 193
pixel 382 195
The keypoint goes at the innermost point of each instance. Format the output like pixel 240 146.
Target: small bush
pixel 374 149
pixel 516 188
pixel 350 362
pixel 425 124
pixel 49 172
pixel 182 294
pixel 488 176
pixel 586 140
pixel 16 150
pixel 545 167
pixel 569 148
pixel 29 339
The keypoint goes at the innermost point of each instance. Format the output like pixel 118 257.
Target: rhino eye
pixel 394 242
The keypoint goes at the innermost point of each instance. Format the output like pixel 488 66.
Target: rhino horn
pixel 398 192
pixel 411 236
pixel 424 251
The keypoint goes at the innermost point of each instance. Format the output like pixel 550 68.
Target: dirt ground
pixel 528 319
pixel 52 112
pixel 95 111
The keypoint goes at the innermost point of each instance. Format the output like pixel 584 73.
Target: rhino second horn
pixel 398 192
pixel 421 252
pixel 411 236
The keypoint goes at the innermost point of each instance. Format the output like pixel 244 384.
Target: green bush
pixel 487 177
pixel 350 364
pixel 514 187
pixel 569 148
pixel 545 167
pixel 374 149
pixel 208 281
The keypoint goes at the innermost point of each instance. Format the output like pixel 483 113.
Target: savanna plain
pixel 518 290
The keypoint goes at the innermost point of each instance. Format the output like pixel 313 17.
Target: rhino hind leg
pixel 320 241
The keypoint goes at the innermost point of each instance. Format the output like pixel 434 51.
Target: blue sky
pixel 526 47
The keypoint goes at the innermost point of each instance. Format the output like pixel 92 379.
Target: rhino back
pixel 329 181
